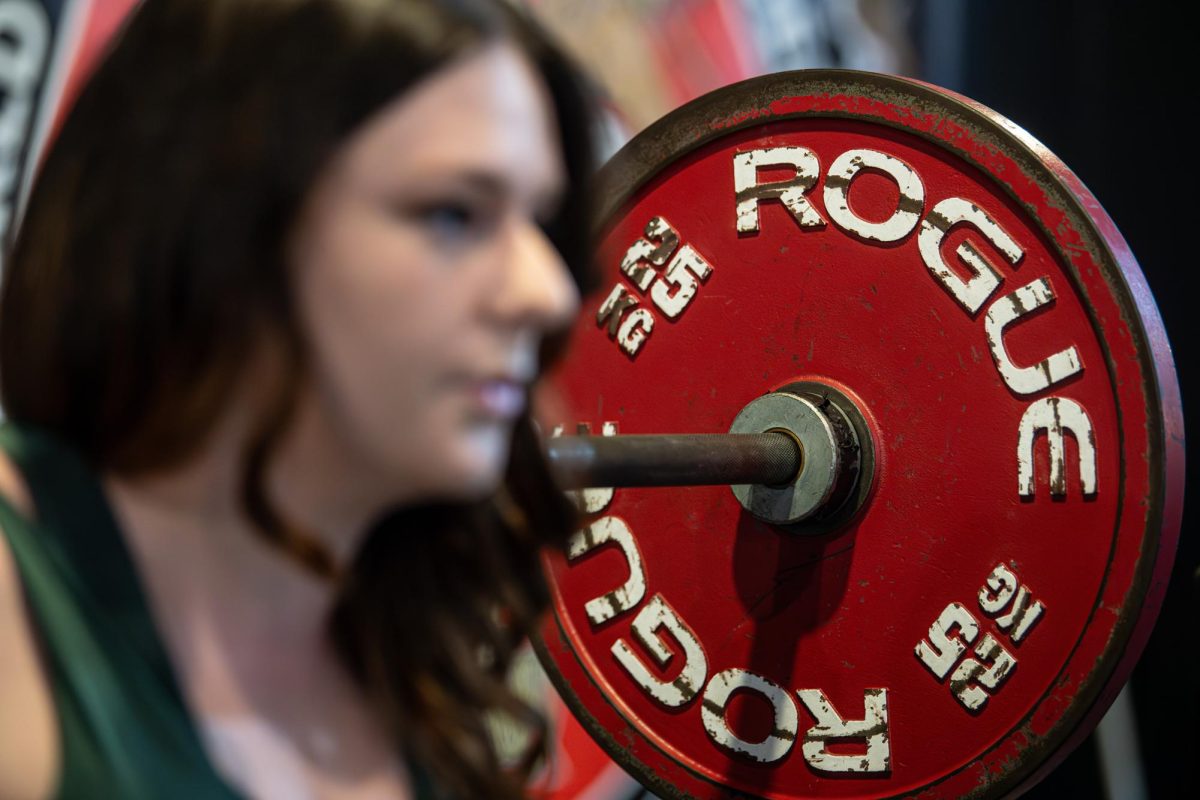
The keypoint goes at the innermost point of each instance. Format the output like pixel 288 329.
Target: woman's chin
pixel 478 468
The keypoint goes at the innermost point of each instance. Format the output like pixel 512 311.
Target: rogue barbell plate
pixel 975 615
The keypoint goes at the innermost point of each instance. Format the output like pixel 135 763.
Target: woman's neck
pixel 312 482
pixel 189 532
pixel 245 625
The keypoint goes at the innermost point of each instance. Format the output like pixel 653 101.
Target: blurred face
pixel 425 283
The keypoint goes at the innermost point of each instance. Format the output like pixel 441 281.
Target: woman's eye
pixel 452 220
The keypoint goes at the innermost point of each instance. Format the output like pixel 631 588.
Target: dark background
pixel 1111 88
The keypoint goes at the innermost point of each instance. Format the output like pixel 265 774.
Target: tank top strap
pixel 123 726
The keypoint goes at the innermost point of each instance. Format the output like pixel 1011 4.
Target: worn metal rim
pixel 939 116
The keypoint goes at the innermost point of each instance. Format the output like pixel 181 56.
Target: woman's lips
pixel 501 398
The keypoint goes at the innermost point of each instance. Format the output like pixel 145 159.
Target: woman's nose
pixel 538 290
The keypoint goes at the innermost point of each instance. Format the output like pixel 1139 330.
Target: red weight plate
pixel 978 614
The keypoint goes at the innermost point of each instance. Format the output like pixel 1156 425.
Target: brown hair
pixel 151 261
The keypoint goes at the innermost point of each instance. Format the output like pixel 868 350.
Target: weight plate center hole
pixel 836 459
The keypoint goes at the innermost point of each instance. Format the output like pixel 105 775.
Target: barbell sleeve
pixel 693 459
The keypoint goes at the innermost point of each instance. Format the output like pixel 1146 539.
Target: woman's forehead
pixel 487 116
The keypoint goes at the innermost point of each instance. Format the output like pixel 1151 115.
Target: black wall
pixel 1114 90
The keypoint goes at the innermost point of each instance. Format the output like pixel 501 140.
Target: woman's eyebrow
pixel 496 186
pixel 479 183
pixel 493 185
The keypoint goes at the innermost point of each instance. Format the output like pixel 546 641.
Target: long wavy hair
pixel 151 260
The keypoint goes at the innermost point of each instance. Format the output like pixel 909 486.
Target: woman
pixel 272 498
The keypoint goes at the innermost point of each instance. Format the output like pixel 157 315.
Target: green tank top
pixel 124 730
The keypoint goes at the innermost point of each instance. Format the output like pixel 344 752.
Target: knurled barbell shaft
pixel 693 459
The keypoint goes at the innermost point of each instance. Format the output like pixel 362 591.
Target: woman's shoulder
pixel 28 724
